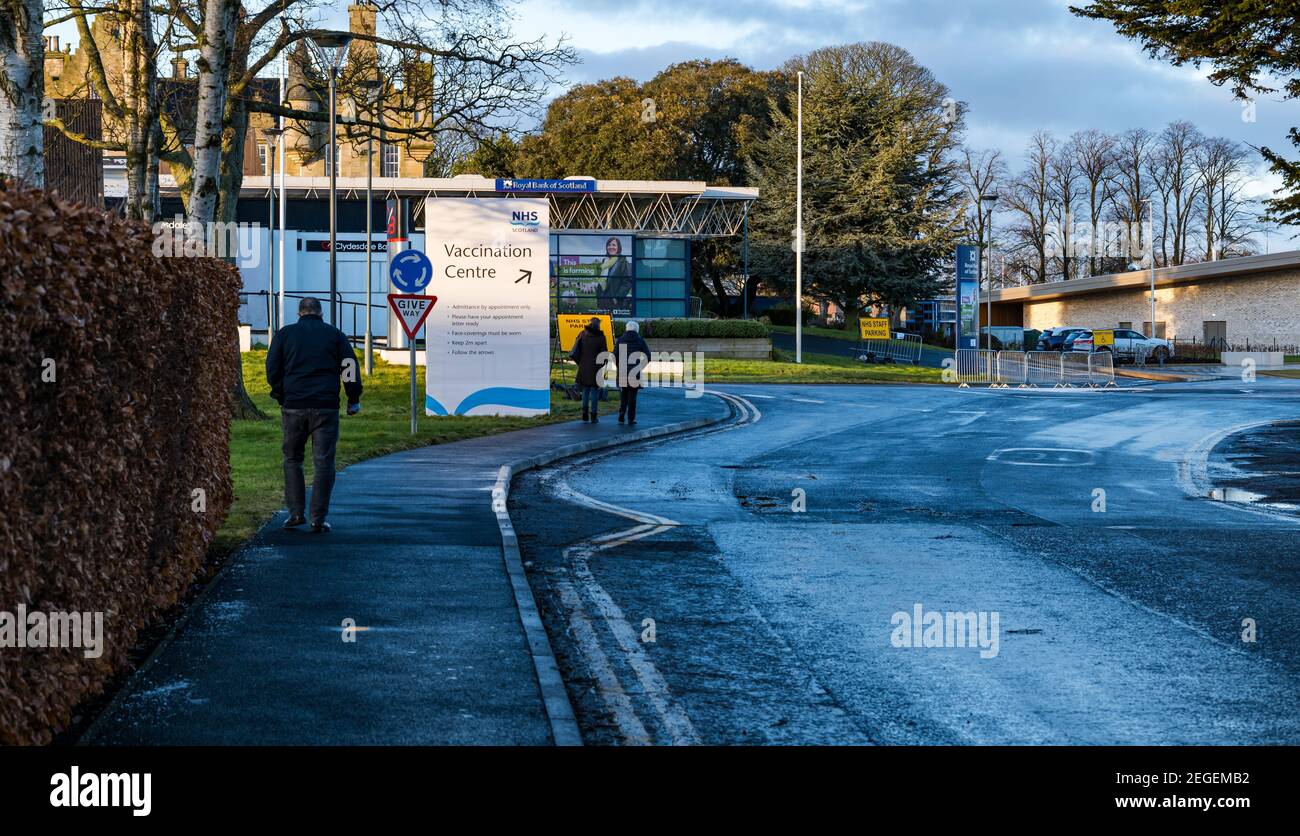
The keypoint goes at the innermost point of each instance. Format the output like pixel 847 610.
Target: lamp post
pixel 370 87
pixel 1151 245
pixel 331 48
pixel 989 200
pixel 798 232
pixel 272 137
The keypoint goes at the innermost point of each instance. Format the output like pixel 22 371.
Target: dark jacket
pixel 305 364
pixel 631 353
pixel 588 346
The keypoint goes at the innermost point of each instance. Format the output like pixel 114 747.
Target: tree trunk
pixel 215 49
pixel 22 91
pixel 141 113
pixel 241 405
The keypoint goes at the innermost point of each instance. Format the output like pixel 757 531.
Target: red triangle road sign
pixel 411 309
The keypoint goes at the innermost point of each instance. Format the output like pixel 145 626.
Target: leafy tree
pixel 883 205
pixel 1244 41
pixel 696 120
pixel 597 130
pixel 492 157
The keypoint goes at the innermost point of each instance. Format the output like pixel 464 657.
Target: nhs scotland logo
pixel 525 220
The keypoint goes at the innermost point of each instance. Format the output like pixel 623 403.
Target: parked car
pixel 1128 345
pixel 1056 342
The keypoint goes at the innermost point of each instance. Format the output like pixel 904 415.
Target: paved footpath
pixel 447 649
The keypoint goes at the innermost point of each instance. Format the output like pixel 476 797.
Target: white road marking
pixel 807 400
pixel 996 456
pixel 611 691
pixel 672 717
pixel 1193 471
pixel 974 416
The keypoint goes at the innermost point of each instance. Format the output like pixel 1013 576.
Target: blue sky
pixel 1021 65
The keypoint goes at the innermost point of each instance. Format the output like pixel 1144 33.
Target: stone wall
pixel 1258 309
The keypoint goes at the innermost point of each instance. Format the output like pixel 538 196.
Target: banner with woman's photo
pixel 593 274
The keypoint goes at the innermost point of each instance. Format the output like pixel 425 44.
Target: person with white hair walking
pixel 632 354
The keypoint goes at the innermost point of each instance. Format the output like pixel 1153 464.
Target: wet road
pixel 756 583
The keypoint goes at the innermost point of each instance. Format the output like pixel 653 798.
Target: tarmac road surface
pixel 755 582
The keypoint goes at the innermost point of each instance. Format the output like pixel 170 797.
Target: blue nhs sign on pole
pixel 968 302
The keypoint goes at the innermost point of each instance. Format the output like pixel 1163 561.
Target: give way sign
pixel 412 309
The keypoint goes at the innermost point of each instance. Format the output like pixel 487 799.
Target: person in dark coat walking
pixel 587 349
pixel 306 361
pixel 632 354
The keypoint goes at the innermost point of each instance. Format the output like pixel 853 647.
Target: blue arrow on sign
pixel 410 271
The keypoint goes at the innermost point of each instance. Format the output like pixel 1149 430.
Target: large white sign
pixel 488 338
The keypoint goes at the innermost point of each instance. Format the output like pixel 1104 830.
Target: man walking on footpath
pixel 304 366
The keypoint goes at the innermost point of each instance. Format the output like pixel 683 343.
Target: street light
pixel 370 87
pixel 330 49
pixel 272 137
pixel 989 200
pixel 1151 245
pixel 798 234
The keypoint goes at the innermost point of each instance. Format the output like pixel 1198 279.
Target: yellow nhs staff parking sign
pixel 874 328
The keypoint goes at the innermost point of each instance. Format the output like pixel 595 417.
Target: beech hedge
pixel 116 368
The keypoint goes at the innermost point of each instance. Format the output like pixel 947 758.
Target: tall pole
pixel 370 165
pixel 270 243
pixel 284 65
pixel 798 233
pixel 334 176
pixel 744 285
pixel 989 342
pixel 1151 244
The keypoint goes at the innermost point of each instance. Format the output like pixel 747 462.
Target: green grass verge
pixel 384 426
pixel 1291 358
pixel 848 335
pixel 816 368
pixel 1293 373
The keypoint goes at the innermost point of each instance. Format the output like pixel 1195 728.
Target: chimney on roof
pixel 180 67
pixel 51 43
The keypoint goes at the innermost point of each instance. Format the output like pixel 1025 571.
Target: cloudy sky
pixel 1021 65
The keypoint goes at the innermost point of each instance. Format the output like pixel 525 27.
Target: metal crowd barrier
pixel 1030 369
pixel 974 365
pixel 901 348
pixel 1043 368
pixel 1010 367
pixel 1101 369
pixel 1074 368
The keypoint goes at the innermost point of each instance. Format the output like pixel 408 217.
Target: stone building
pixel 1251 300
pixel 67 77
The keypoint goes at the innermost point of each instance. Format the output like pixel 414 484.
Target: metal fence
pixel 974 365
pixel 1043 368
pixel 1031 369
pixel 900 348
pixel 1011 368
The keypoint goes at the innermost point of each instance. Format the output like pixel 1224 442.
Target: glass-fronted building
pixel 621 247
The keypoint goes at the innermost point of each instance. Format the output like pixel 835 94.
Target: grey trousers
pixel 322 426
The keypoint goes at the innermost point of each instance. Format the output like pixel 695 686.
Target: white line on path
pixel 671 716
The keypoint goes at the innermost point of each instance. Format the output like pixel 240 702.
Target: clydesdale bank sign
pixel 488 338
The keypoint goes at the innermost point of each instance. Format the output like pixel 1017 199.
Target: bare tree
pixel 1221 166
pixel 22 91
pixel 1094 153
pixel 980 173
pixel 1064 184
pixel 1132 186
pixel 1173 175
pixel 1030 198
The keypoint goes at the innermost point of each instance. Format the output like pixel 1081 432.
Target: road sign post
pixel 412 309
